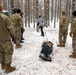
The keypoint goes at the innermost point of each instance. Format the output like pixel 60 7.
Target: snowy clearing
pixel 27 61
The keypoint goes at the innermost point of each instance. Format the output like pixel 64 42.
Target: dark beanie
pixel 18 11
pixel 74 13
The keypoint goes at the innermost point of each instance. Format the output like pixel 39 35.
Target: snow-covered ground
pixel 27 61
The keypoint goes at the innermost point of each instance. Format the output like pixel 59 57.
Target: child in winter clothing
pixel 40 24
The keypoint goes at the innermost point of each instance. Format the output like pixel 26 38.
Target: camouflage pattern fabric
pixel 74 42
pixel 5 28
pixel 73 31
pixel 6 51
pixel 17 35
pixel 63 29
pixel 18 24
pixel 63 34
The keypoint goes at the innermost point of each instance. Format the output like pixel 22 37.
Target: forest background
pixel 50 10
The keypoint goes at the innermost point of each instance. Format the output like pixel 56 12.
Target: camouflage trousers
pixel 74 42
pixel 63 35
pixel 18 35
pixel 6 51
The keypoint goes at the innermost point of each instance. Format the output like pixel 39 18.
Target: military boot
pixel 2 66
pixel 8 68
pixel 73 55
pixel 59 45
pixel 18 45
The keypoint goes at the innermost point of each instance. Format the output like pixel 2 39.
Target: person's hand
pixel 71 34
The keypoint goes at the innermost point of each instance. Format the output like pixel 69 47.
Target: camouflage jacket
pixel 73 25
pixel 16 21
pixel 5 28
pixel 63 21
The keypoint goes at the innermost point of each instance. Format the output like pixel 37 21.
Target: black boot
pixel 42 34
pixel 22 38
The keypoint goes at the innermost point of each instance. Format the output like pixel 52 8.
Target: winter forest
pixel 26 59
pixel 49 9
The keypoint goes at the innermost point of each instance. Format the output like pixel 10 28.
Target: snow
pixel 27 61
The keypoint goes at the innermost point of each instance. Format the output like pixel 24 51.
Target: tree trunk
pixel 59 8
pixel 46 13
pixel 34 12
pixel 26 13
pixel 52 10
pixel 37 14
pixel 55 14
pixel 12 3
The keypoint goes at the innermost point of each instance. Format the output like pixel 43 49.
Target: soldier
pixel 63 29
pixel 22 28
pixel 73 35
pixel 18 24
pixel 6 46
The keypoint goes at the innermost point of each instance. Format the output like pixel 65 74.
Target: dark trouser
pixel 22 33
pixel 41 28
pixel 74 42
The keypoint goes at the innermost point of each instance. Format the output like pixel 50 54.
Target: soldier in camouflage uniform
pixel 73 35
pixel 18 24
pixel 6 46
pixel 63 29
pixel 22 28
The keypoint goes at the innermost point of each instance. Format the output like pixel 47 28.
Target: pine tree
pixel 34 12
pixel 59 8
pixel 12 3
pixel 46 13
pixel 26 13
pixel 37 14
pixel 4 2
pixel 31 11
pixel 52 10
pixel 55 13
